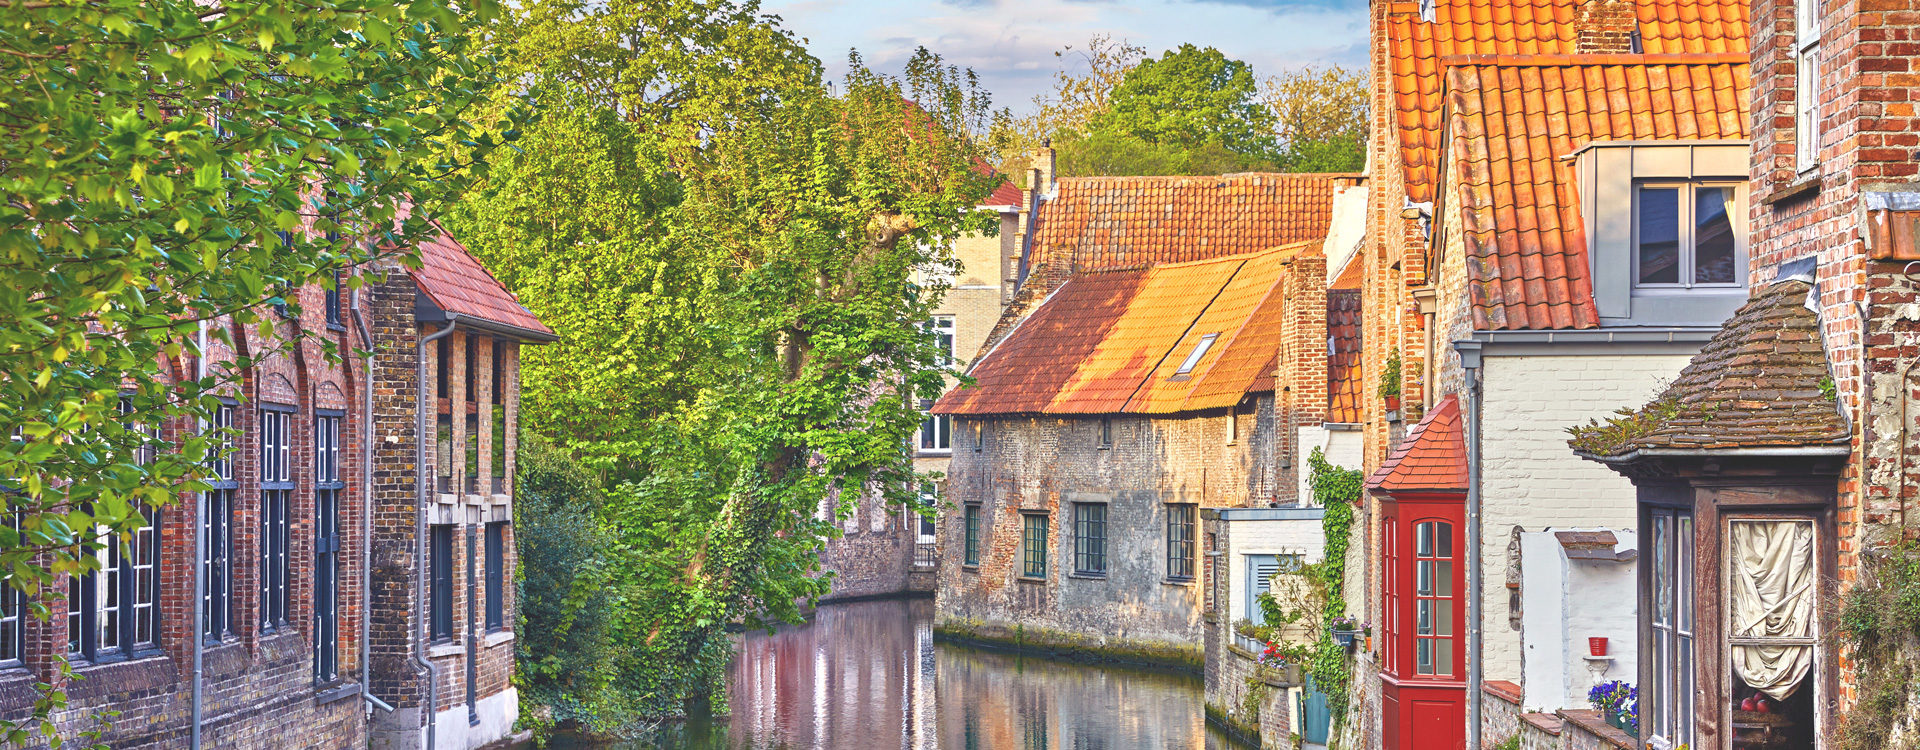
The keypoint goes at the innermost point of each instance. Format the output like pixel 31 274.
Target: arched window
pixel 1434 598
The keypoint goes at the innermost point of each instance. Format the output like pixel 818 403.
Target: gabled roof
pixel 456 283
pixel 1432 458
pixel 1004 195
pixel 1761 382
pixel 1111 342
pixel 1417 48
pixel 1514 123
pixel 1097 223
pixel 1344 403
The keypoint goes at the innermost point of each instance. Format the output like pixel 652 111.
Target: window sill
pixel 933 452
pixel 337 327
pixel 497 638
pixel 970 567
pixel 1088 576
pixel 1031 580
pixel 441 650
pixel 335 694
pixel 1803 186
pixel 1182 582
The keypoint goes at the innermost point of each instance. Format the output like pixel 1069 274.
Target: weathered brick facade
pixel 261 684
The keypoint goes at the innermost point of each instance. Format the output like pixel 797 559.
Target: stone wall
pixel 1044 465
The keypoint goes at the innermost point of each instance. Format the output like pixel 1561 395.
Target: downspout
pixel 366 510
pixel 1470 362
pixel 199 562
pixel 420 524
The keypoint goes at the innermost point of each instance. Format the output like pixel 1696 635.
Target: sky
pixel 1011 43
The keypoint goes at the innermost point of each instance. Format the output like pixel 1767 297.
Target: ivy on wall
pixel 1880 628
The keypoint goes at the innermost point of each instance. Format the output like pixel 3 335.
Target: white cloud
pixel 1011 43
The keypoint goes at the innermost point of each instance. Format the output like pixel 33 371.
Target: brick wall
pixel 1044 465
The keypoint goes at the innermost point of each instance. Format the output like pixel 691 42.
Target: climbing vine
pixel 1880 628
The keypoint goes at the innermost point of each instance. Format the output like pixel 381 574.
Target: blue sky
pixel 1010 43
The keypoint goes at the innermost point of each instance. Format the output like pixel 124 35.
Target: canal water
pixel 869 675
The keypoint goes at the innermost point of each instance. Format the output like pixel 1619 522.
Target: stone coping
pixel 1590 722
pixel 1295 513
pixel 1504 690
pixel 1548 723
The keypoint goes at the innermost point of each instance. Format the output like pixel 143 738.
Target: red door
pixel 1424 622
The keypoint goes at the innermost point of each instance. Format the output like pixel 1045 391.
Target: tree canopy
pixel 1192 98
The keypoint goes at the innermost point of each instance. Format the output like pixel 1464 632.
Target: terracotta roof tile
pixel 1432 458
pixel 1109 342
pixel 1514 119
pixel 1344 403
pixel 1004 195
pixel 455 282
pixel 1096 223
pixel 1418 49
pixel 1758 383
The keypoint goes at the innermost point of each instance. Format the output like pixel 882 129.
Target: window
pixel 1393 586
pixel 216 525
pixel 472 373
pixel 979 437
pixel 1090 539
pixel 496 575
pixel 333 302
pixel 499 365
pixel 1260 572
pixel 13 615
pixel 1772 626
pixel 1684 235
pixel 326 546
pixel 936 431
pixel 440 577
pixel 1233 424
pixel 1668 712
pixel 970 547
pixel 1033 544
pixel 1106 433
pixel 276 491
pixel 1806 96
pixel 1433 646
pixel 1199 351
pixel 1180 521
pixel 923 515
pixel 941 328
pixel 111 611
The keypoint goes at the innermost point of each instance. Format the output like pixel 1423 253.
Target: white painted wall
pixel 1564 603
pixel 1294 536
pixel 1343 448
pixel 1531 479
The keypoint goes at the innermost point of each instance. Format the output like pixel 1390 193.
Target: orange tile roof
pixel 1418 50
pixel 1514 120
pixel 1343 361
pixel 1432 458
pixel 1097 223
pixel 455 282
pixel 1004 195
pixel 1110 342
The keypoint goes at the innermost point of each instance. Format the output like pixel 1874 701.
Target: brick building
pixel 303 631
pixel 1780 457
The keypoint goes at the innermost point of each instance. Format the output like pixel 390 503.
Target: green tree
pixel 1193 98
pixel 161 163
pixel 1321 118
pixel 728 248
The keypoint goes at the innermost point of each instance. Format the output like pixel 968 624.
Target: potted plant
pixel 1390 381
pixel 1345 628
pixel 1619 703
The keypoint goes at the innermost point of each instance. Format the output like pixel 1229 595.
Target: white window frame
pixel 1199 352
pixel 935 435
pixel 1684 219
pixel 1806 77
pixel 942 329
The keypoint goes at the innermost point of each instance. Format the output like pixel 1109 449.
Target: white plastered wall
pixel 1532 479
pixel 1565 602
pixel 1295 536
pixel 1342 447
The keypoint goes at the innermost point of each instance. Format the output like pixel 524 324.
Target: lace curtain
pixel 1772 598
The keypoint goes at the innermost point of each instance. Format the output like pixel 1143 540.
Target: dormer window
pixel 1684 236
pixel 1199 351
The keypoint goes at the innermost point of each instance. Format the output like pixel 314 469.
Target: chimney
pixel 1043 163
pixel 1606 26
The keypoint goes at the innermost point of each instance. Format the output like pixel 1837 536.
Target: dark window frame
pixel 496 576
pixel 328 486
pixel 1182 522
pixel 1033 545
pixel 440 582
pixel 216 623
pixel 275 533
pixel 1090 539
pixel 13 615
pixel 970 541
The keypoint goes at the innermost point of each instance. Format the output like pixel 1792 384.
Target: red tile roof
pixel 1343 361
pixel 1099 223
pixel 1417 50
pixel 455 282
pixel 1109 342
pixel 1004 195
pixel 1514 120
pixel 1432 458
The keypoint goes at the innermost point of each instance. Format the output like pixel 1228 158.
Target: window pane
pixel 1423 540
pixel 1713 241
pixel 1684 578
pixel 1443 656
pixel 1423 655
pixel 1442 539
pixel 1423 578
pixel 1443 617
pixel 1662 568
pixel 1443 579
pixel 1423 612
pixel 1658 210
pixel 1683 703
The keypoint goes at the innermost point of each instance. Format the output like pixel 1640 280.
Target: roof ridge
pixel 1592 59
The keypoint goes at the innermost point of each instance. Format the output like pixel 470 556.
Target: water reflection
pixel 868 675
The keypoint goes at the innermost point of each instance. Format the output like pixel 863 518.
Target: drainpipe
pixel 199 562
pixel 1470 362
pixel 366 510
pixel 420 524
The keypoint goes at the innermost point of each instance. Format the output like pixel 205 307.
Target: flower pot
pixel 1393 403
pixel 1618 721
pixel 1597 645
pixel 1345 638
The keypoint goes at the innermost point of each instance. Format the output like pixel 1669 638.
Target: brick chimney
pixel 1605 26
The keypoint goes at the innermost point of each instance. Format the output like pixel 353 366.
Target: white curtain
pixel 1773 592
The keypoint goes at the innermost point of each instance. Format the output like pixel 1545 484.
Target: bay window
pixel 1434 598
